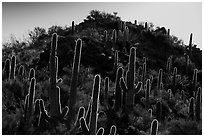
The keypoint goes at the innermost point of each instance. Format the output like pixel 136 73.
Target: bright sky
pixel 182 18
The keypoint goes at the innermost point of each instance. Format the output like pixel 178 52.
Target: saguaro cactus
pixel 114 39
pixel 159 110
pixel 73 28
pixel 198 105
pixel 190 45
pixel 13 67
pixel 75 71
pixel 30 100
pixel 53 95
pixel 21 72
pixel 192 109
pixel 147 92
pixel 195 79
pixel 154 127
pixel 31 74
pixel 118 91
pixel 129 87
pixel 7 68
pixel 94 109
pixel 144 71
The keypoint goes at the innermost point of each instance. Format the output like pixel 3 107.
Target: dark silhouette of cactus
pixel 105 36
pixel 30 100
pixel 113 130
pixel 192 109
pixel 150 112
pixel 159 110
pixel 31 74
pixel 106 90
pixel 118 90
pixel 80 114
pixel 195 79
pixel 13 67
pixel 147 92
pixel 146 25
pixel 94 109
pixel 144 72
pixel 116 59
pixel 174 80
pixel 168 32
pixel 190 46
pixel 187 63
pixel 75 71
pixel 130 89
pixel 21 71
pixel 135 22
pixel 169 65
pixel 73 28
pixel 53 94
pixel 154 127
pixel 100 131
pixel 7 69
pixel 114 38
pixel 198 105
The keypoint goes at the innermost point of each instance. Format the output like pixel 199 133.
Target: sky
pixel 182 18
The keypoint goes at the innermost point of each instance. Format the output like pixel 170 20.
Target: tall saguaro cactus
pixel 75 71
pixel 118 91
pixel 7 68
pixel 154 127
pixel 13 67
pixel 129 87
pixel 30 100
pixel 54 97
pixel 147 92
pixel 73 28
pixel 198 105
pixel 190 45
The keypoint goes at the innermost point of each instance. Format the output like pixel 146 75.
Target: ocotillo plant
pixel 190 45
pixel 53 94
pixel 30 100
pixel 73 28
pixel 118 90
pixel 94 109
pixel 129 87
pixel 154 127
pixel 147 92
pixel 192 109
pixel 13 67
pixel 75 71
pixel 7 68
pixel 198 105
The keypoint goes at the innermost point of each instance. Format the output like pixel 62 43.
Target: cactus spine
pixel 154 127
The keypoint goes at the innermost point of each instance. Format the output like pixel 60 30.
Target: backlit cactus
pixel 147 93
pixel 73 28
pixel 154 127
pixel 13 67
pixel 31 74
pixel 192 109
pixel 7 69
pixel 198 105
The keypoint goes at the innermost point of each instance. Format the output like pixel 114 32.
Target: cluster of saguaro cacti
pixel 88 124
pixel 195 106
